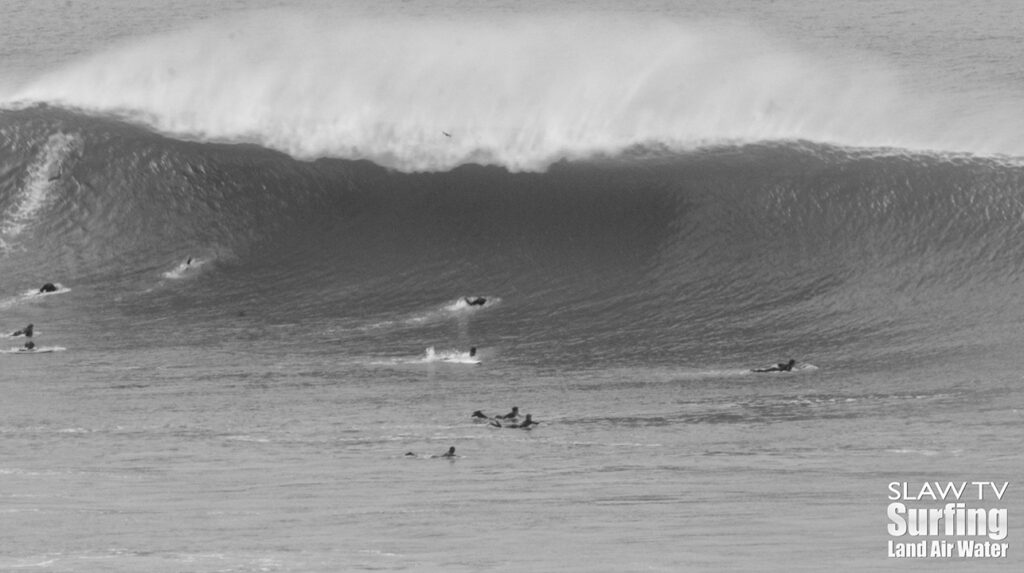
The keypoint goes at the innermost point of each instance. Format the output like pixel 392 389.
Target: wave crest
pixel 430 94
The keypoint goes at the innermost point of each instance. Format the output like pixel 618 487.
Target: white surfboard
pixel 37 350
pixel 461 360
pixel 450 357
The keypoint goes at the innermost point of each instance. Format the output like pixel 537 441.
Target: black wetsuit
pixel 780 367
pixel 526 423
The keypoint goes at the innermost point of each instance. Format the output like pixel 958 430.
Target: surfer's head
pixel 472 350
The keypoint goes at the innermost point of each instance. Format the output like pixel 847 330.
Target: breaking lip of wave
pixel 421 94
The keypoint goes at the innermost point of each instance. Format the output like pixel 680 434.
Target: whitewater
pixel 297 245
pixel 520 91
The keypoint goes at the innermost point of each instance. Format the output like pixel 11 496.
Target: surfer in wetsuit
pixel 479 415
pixel 472 351
pixel 526 423
pixel 781 367
pixel 29 346
pixel 449 454
pixel 26 332
pixel 511 415
pixel 48 287
pixel 475 301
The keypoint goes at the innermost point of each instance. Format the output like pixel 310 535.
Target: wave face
pixel 520 91
pixel 710 256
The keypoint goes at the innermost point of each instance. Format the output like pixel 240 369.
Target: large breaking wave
pixel 733 250
pixel 521 92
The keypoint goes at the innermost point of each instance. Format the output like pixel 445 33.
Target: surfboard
pixel 461 360
pixel 801 367
pixel 40 350
pixel 450 357
pixel 12 335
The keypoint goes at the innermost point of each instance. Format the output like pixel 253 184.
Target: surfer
pixel 475 301
pixel 29 346
pixel 479 415
pixel 526 423
pixel 48 287
pixel 446 134
pixel 26 332
pixel 472 351
pixel 511 415
pixel 780 367
pixel 449 454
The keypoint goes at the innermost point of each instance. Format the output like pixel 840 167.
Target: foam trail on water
pixel 184 268
pixel 522 92
pixel 43 174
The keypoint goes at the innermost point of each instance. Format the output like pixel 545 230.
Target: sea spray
pixel 429 94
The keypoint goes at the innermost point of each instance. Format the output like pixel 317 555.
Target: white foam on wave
pixel 457 308
pixel 429 93
pixel 28 562
pixel 429 356
pixel 185 268
pixel 41 178
pixel 31 295
pixel 451 356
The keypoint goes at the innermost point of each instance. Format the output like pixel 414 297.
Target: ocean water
pixel 264 219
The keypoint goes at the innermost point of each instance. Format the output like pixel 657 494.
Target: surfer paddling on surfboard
pixel 781 367
pixel 511 415
pixel 526 423
pixel 449 454
pixel 26 332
